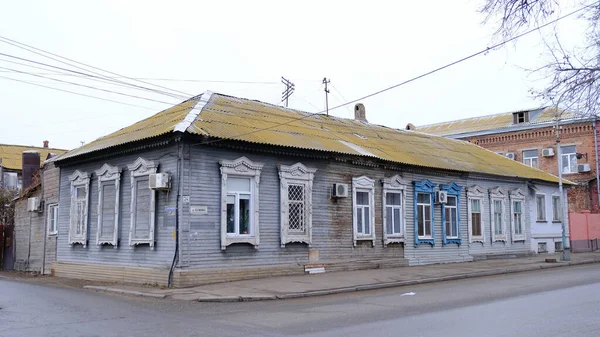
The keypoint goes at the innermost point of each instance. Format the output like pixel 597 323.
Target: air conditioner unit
pixel 340 190
pixel 510 155
pixel 581 168
pixel 441 197
pixel 160 181
pixel 34 204
pixel 548 152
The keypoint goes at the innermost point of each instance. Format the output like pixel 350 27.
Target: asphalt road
pixel 556 302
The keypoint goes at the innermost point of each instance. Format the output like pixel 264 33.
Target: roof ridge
pixel 477 117
pixel 34 147
pixel 194 112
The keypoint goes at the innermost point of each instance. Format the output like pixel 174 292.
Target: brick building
pixel 529 137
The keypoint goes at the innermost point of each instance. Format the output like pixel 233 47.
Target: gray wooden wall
pixel 142 255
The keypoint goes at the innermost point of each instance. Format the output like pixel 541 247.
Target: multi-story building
pixel 529 136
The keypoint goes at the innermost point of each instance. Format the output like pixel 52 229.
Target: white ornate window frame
pixel 475 192
pixel 142 168
pixel 108 174
pixel 241 167
pixel 363 184
pixel 79 179
pixel 517 195
pixel 394 184
pixel 296 174
pixel 498 194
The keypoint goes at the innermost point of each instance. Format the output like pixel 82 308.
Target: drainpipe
pixel 177 208
pixel 44 233
pixel 596 156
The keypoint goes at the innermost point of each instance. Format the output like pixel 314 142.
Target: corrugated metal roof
pixel 227 117
pixel 12 155
pixel 503 121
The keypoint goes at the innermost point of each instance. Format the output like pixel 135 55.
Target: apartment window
pixel 239 198
pixel 363 189
pixel 296 203
pixel 143 203
pixel 497 198
pixel 451 214
pixel 424 228
pixel 540 202
pixel 542 247
pixel 424 214
pixel 10 180
pixel 393 209
pixel 53 219
pixel 109 178
pixel 558 246
pixel 475 206
pixel 518 217
pixel 517 200
pixel 520 117
pixel 240 202
pixel 363 213
pixel 530 158
pixel 80 182
pixel 556 209
pixel 568 159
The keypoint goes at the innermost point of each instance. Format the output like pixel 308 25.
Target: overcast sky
pixel 361 46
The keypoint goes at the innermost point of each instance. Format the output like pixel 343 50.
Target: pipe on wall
pixel 596 156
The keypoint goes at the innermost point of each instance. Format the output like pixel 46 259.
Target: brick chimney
pixel 360 113
pixel 46 144
pixel 31 163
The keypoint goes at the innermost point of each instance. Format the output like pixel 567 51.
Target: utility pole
pixel 326 82
pixel 566 256
pixel 289 90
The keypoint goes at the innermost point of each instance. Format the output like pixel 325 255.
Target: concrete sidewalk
pixel 341 282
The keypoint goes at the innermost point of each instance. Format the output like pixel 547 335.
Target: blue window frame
pixel 424 221
pixel 451 215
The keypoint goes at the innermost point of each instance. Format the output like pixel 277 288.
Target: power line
pixel 76 93
pixel 88 86
pixel 89 75
pixel 412 79
pixel 20 45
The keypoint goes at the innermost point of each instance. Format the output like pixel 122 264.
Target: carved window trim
pixel 363 184
pixel 394 184
pixel 475 192
pixel 245 168
pixel 142 168
pixel 108 174
pixel 296 174
pixel 498 194
pixel 452 190
pixel 517 196
pixel 426 187
pixel 79 180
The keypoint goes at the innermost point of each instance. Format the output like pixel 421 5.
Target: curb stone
pixel 125 292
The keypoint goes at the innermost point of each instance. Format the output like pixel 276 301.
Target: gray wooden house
pixel 221 188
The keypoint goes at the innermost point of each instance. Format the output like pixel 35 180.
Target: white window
pixel 568 159
pixel 109 178
pixel 363 189
pixel 424 223
pixel 80 183
pixel 497 197
pixel 517 198
pixel 530 158
pixel 240 180
pixel 393 209
pixel 143 203
pixel 540 202
pixel 296 203
pixel 475 206
pixel 556 209
pixel 53 219
pixel 451 217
